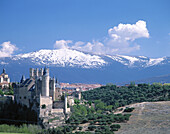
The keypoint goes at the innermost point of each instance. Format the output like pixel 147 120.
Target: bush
pixel 1 92
pixel 67 129
pixel 129 109
pixel 74 127
pixel 92 128
pixel 80 128
pixel 92 122
pixel 109 122
pixel 114 129
pixel 85 121
pixel 115 126
pixel 126 116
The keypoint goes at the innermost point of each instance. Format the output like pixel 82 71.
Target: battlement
pixel 35 72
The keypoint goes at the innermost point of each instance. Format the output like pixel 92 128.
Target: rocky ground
pixel 148 118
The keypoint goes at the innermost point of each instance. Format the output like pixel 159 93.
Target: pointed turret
pixel 3 71
pixel 53 88
pixel 45 71
pixel 56 81
pixel 65 103
pixel 22 79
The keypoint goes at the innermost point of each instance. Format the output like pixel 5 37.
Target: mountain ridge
pixel 71 57
pixel 74 66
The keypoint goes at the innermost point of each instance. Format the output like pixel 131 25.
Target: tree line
pixel 118 96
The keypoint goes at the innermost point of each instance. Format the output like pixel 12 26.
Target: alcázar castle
pixel 43 94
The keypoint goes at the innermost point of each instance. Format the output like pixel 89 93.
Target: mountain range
pixel 70 65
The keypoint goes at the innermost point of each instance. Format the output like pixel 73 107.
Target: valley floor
pixel 148 118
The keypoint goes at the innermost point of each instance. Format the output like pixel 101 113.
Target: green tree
pixel 1 92
pixel 76 101
pixel 89 102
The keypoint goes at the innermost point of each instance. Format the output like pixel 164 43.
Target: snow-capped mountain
pixel 74 58
pixel 62 58
pixel 76 66
pixel 137 61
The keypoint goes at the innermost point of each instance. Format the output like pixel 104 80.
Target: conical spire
pixel 4 71
pixel 22 79
pixel 57 80
pixel 45 71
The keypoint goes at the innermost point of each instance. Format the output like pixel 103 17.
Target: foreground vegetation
pixel 29 129
pixel 96 114
pixel 97 118
pixel 13 113
pixel 87 119
pixel 125 95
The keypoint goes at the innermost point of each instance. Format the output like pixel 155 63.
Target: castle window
pixel 20 97
pixel 43 106
pixel 25 97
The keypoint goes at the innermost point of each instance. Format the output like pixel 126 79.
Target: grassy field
pixel 148 118
pixel 26 129
pixel 9 133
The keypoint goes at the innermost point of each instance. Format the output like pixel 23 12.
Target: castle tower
pixel 79 95
pixel 65 104
pixel 41 72
pixel 45 82
pixel 53 88
pixel 31 72
pixel 36 72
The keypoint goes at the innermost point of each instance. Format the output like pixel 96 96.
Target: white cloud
pixel 94 47
pixel 78 45
pixel 129 32
pixel 123 37
pixel 7 49
pixel 120 40
pixel 62 44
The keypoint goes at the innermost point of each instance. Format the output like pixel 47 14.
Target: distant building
pixel 70 88
pixel 58 91
pixel 4 80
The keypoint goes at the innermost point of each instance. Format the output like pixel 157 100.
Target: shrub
pixel 80 128
pixel 85 121
pixel 92 122
pixel 129 109
pixel 115 126
pixel 92 128
pixel 109 122
pixel 114 129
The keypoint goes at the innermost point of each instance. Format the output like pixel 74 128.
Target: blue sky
pixel 32 25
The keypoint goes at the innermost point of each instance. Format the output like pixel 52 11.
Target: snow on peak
pixel 131 59
pixel 155 61
pixel 74 58
pixel 63 57
pixel 136 61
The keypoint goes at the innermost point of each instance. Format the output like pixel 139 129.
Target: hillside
pixel 125 95
pixel 148 118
